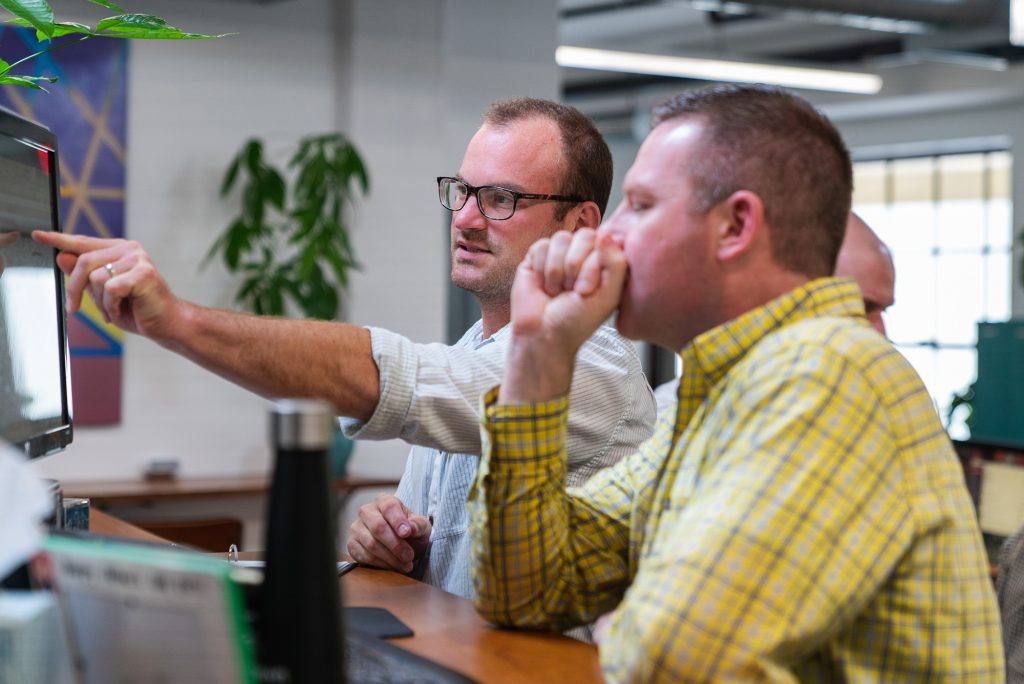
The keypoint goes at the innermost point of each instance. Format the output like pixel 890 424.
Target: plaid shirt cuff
pixel 531 434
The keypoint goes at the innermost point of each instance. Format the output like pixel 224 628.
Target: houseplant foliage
pixel 291 242
pixel 38 14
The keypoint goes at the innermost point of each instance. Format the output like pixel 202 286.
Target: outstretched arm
pixel 270 356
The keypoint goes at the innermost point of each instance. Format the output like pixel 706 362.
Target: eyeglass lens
pixel 453 194
pixel 495 203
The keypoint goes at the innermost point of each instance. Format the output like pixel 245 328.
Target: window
pixel 948 221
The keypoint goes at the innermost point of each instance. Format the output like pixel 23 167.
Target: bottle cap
pixel 304 424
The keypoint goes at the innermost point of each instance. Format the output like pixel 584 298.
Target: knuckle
pixel 378 528
pixel 86 262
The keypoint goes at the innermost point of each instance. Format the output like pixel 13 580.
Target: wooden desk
pixel 448 630
pixel 104 523
pixel 107 492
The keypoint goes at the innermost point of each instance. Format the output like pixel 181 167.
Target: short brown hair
pixel 774 143
pixel 588 170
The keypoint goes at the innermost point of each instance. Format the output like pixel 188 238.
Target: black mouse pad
pixel 377 622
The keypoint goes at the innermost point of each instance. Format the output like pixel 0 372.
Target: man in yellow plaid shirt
pixel 802 515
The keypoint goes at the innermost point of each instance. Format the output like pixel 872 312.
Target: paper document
pixel 141 613
pixel 343 566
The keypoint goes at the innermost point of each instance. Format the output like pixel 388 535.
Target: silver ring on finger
pixel 109 269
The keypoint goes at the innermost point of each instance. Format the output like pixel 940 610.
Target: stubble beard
pixel 493 286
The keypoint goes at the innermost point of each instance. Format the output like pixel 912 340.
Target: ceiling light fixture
pixel 718 70
pixel 1017 22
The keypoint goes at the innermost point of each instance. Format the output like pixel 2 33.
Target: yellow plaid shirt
pixel 802 516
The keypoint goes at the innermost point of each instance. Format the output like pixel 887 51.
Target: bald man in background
pixel 863 257
pixel 867 260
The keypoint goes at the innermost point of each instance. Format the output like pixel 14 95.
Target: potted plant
pixel 290 240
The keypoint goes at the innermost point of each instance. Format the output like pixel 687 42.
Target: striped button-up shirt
pixel 430 397
pixel 801 515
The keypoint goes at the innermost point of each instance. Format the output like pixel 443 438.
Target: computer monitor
pixel 35 373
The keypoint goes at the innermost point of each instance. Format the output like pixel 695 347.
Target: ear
pixel 739 221
pixel 586 215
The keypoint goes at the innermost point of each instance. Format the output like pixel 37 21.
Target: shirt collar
pixel 710 356
pixel 474 337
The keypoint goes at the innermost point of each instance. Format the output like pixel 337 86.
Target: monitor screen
pixel 35 410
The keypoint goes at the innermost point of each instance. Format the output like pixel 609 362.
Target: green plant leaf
pixel 60 29
pixel 27 81
pixel 323 300
pixel 274 302
pixel 217 245
pixel 272 185
pixel 237 241
pixel 339 264
pixel 253 153
pixel 67 28
pixel 248 287
pixel 230 175
pixel 36 12
pixel 252 207
pixel 361 174
pixel 145 26
pixel 307 262
pixel 109 5
pixel 307 218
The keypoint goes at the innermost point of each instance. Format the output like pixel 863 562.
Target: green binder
pixel 142 612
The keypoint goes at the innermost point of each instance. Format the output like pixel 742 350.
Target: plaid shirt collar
pixel 712 354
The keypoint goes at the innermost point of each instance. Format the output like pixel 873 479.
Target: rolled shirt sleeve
pixel 430 397
pixel 429 393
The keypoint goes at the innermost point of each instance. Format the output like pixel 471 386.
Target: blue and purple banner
pixel 85 108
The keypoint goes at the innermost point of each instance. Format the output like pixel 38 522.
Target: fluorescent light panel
pixel 1017 22
pixel 718 70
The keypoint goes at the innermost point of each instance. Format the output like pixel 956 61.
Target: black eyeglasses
pixel 495 202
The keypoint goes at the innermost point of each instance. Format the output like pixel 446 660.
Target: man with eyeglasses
pixel 532 169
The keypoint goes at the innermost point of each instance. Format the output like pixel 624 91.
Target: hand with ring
pixel 122 280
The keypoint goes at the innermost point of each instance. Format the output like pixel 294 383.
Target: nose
pixel 469 216
pixel 613 224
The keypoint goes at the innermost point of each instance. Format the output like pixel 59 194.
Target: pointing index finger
pixel 74 244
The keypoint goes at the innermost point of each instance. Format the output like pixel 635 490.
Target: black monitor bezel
pixel 41 137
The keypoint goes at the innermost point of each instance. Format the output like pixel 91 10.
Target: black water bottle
pixel 299 621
